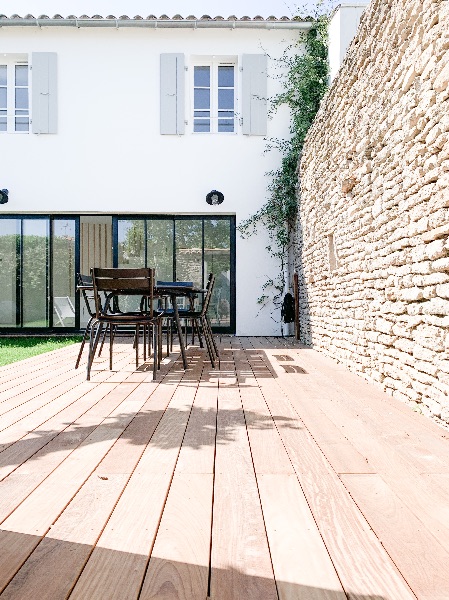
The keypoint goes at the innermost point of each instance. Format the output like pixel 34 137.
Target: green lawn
pixel 14 349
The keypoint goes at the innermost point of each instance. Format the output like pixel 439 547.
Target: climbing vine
pixel 304 85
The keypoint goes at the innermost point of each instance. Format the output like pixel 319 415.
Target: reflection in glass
pixel 3 98
pixel 21 98
pixel 226 99
pixel 63 263
pixel 34 272
pixel 22 124
pixel 131 255
pixel 225 76
pixel 9 245
pixel 131 243
pixel 160 248
pixel 201 77
pixel 189 255
pixel 226 125
pixel 217 260
pixel 202 99
pixel 201 125
pixel 22 75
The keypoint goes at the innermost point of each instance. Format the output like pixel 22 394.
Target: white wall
pixel 108 155
pixel 342 29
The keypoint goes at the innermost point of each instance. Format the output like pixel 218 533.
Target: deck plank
pixel 307 481
pixel 179 563
pixel 68 544
pixel 240 560
pixel 415 550
pixel 379 441
pixel 362 564
pixel 302 567
pixel 116 567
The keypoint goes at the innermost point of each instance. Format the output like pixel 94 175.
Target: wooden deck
pixel 279 476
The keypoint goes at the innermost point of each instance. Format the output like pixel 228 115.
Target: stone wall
pixel 373 232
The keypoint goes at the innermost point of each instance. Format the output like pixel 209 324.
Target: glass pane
pixel 217 260
pixel 225 125
pixel 202 99
pixel 63 262
pixel 131 254
pixel 226 99
pixel 2 124
pixel 22 124
pixel 34 272
pixel 201 126
pixel 3 75
pixel 201 77
pixel 189 243
pixel 131 243
pixel 225 76
pixel 22 75
pixel 3 98
pixel 226 114
pixel 9 240
pixel 160 248
pixel 202 113
pixel 22 98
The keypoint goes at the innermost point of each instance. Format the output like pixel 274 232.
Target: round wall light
pixel 214 197
pixel 3 196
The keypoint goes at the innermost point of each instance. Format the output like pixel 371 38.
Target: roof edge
pixel 153 22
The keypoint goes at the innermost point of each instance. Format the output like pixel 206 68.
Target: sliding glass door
pixel 184 249
pixel 9 246
pixel 38 260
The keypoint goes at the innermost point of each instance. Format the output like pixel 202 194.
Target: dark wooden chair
pixel 116 282
pixel 200 320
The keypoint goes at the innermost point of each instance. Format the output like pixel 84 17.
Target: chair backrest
pixel 120 281
pixel 86 281
pixel 208 296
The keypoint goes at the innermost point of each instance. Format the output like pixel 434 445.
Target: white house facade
pixel 136 141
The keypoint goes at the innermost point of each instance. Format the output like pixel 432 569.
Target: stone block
pixel 442 80
pixel 422 353
pixel 436 306
pixel 411 294
pixel 443 290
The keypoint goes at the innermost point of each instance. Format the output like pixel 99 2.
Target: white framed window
pixel 14 96
pixel 214 85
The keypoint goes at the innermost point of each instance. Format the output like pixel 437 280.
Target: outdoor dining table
pixel 172 290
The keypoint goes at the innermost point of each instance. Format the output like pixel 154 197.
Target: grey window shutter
pixel 172 94
pixel 44 92
pixel 254 94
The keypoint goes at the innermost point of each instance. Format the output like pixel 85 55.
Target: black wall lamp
pixel 214 197
pixel 3 196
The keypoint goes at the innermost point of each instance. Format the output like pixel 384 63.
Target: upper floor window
pixel 14 97
pixel 214 98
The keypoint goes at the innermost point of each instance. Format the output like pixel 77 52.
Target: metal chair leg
pixel 212 336
pixel 208 342
pixel 155 350
pixel 93 343
pixel 102 341
pixel 83 342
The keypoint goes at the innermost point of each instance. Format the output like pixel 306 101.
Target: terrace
pixel 280 475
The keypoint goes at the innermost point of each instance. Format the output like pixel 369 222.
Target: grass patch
pixel 14 349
